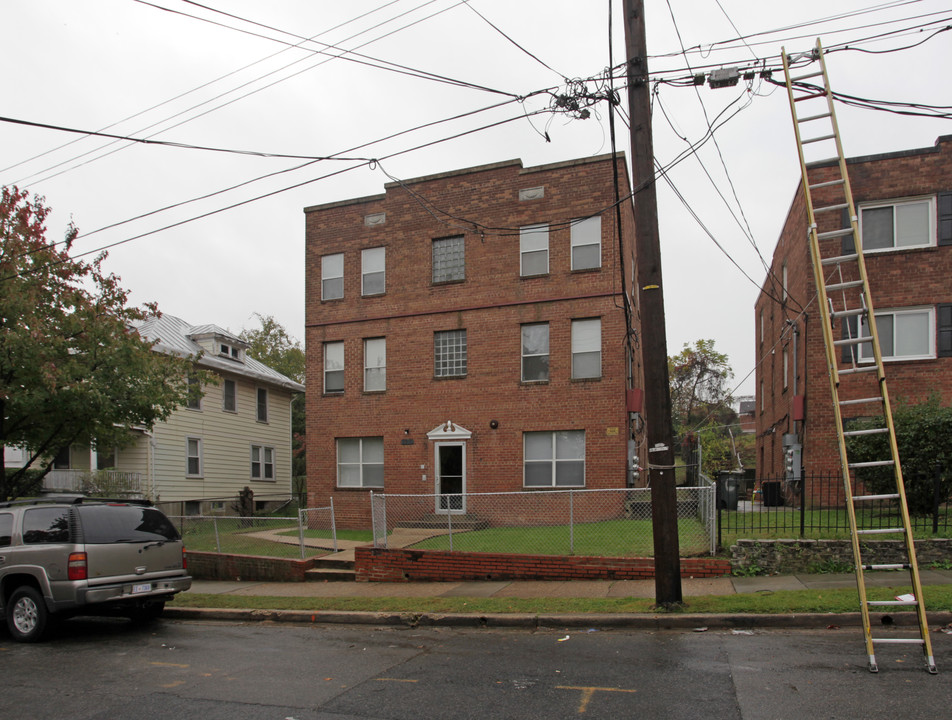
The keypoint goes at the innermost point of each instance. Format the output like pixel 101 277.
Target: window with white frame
pixel 261 408
pixel 373 271
pixel 449 353
pixel 193 457
pixel 449 259
pixel 360 462
pixel 535 352
pixel 375 364
pixel 534 249
pixel 898 225
pixel 332 276
pixel 229 396
pixel 554 459
pixel 907 334
pixel 334 367
pixel 587 243
pixel 587 348
pixel 262 462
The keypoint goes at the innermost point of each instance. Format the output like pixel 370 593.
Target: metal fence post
pixel 373 517
pixel 803 505
pixel 571 522
pixel 217 542
pixel 449 519
pixel 333 524
pixel 301 514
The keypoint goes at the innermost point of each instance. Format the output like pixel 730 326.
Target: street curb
pixel 630 621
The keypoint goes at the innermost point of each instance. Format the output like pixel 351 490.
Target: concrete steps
pixel 331 570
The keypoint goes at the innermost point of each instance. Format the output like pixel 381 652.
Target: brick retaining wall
pixel 402 565
pixel 215 566
pixel 797 556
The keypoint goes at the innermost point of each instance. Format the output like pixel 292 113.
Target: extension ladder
pixel 844 301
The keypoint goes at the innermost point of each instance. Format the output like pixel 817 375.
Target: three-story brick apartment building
pixel 904 207
pixel 468 332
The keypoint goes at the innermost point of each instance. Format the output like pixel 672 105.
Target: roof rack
pixel 69 499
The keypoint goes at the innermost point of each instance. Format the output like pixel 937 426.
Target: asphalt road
pixel 109 669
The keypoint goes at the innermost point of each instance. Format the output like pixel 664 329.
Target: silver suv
pixel 85 556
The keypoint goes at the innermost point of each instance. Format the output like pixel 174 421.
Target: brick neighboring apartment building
pixel 467 332
pixel 904 206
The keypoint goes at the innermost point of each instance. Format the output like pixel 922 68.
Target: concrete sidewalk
pixel 690 587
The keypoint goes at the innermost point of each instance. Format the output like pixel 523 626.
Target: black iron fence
pixel 813 507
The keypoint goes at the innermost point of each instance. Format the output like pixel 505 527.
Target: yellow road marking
pixel 587 693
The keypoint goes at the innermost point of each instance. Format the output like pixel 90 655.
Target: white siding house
pixel 237 435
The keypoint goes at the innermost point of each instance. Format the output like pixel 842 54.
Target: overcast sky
pixel 128 68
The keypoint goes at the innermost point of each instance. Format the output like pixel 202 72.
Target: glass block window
pixel 449 351
pixel 449 259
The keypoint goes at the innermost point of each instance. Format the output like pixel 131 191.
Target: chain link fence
pixel 605 523
pixel 312 532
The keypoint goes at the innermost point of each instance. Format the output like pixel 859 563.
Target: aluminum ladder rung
pixel 844 285
pixel 855 370
pixel 830 208
pixel 872 431
pixel 871 464
pixel 888 496
pixel 881 531
pixel 849 313
pixel 828 183
pixel 890 566
pixel 819 138
pixel 845 342
pixel 898 641
pixel 842 232
pixel 816 73
pixel 892 603
pixel 862 401
pixel 810 118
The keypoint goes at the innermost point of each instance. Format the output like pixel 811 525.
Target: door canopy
pixel 449 431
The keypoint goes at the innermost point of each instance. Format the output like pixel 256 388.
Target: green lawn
pixel 611 538
pixel 841 600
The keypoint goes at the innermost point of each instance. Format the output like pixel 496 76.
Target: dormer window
pixel 229 351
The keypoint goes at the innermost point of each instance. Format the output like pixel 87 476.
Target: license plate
pixel 143 588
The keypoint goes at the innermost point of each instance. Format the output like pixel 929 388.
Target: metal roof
pixel 173 336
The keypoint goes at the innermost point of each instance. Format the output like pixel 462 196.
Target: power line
pixel 168 143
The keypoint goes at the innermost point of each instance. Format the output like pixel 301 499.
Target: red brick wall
pixel 383 565
pixel 215 566
pixel 897 279
pixel 490 304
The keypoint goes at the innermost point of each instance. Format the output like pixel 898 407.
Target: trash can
pixel 773 496
pixel 727 488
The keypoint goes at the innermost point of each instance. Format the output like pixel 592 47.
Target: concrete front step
pixel 330 575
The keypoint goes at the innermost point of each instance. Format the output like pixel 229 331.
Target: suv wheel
pixel 27 615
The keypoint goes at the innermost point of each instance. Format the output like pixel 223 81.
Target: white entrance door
pixel 450 462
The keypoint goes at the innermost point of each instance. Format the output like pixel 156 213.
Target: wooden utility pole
pixel 657 404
